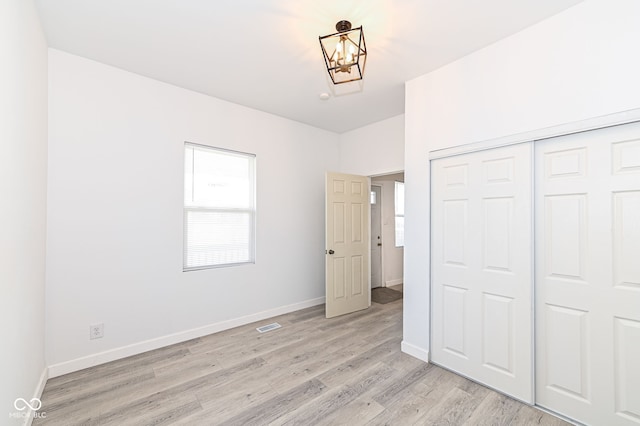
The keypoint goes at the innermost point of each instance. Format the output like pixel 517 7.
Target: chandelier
pixel 345 53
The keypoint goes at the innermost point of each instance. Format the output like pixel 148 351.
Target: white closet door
pixel 481 210
pixel 588 275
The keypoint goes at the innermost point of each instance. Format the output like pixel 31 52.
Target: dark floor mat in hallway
pixel 385 295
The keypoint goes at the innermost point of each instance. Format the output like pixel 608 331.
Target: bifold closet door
pixel 588 275
pixel 482 250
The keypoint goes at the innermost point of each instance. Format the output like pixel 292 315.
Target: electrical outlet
pixel 96 331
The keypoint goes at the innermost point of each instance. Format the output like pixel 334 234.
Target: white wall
pixel 374 149
pixel 23 173
pixel 115 214
pixel 580 64
pixel 392 256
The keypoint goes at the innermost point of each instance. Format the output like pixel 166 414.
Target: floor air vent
pixel 268 327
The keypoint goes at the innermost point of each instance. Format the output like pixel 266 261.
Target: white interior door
pixel 376 236
pixel 481 210
pixel 347 244
pixel 588 275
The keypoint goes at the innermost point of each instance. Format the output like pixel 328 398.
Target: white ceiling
pixel 265 53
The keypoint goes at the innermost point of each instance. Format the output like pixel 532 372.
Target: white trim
pixel 38 394
pixel 391 283
pixel 545 133
pixel 415 351
pixel 171 339
pixel 381 230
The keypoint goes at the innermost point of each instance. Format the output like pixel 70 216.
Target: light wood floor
pixel 342 371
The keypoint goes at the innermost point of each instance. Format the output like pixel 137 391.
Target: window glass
pixel 219 207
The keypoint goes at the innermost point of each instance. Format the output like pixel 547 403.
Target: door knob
pixel 331 251
pixel 379 244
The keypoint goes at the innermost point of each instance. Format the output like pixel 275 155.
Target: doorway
pixel 376 236
pixel 387 245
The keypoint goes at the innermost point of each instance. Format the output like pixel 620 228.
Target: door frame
pixel 381 210
pixel 594 123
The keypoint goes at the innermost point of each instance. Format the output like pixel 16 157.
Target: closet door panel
pixel 587 272
pixel 482 267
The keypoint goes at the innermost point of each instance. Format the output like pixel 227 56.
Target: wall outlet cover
pixel 96 331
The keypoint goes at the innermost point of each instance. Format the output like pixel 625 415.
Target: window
pixel 219 207
pixel 399 207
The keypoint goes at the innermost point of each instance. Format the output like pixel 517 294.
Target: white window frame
pixel 398 214
pixel 194 207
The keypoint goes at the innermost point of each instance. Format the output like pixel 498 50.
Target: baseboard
pixel 391 283
pixel 37 394
pixel 171 339
pixel 415 351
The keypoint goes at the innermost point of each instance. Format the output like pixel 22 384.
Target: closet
pixel 535 271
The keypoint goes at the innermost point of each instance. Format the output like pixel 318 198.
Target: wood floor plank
pixel 527 415
pixel 120 393
pixel 223 402
pixel 455 408
pixel 359 412
pixel 159 409
pixel 404 412
pixel 359 362
pixel 353 386
pixel 312 371
pixel 191 365
pixel 436 384
pixel 401 361
pixel 276 407
pixel 285 376
pixel 121 367
pixel 394 391
pixel 86 402
pixel 495 410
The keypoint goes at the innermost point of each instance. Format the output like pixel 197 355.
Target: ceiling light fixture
pixel 345 53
